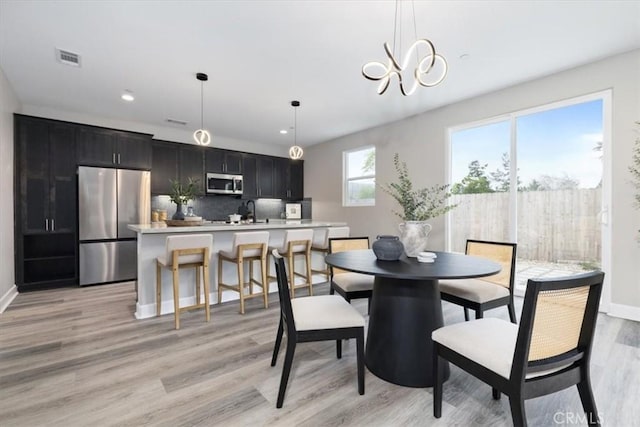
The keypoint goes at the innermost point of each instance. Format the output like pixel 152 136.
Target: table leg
pixel 399 346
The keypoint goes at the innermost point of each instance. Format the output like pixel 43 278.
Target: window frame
pixel 346 180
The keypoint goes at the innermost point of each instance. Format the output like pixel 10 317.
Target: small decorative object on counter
pixel 387 248
pixel 155 216
pixel 190 211
pixel 162 215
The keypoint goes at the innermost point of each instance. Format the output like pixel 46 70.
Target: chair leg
pixel 219 279
pixel 250 277
pixel 369 305
pixel 198 285
pixel 512 313
pixel 496 393
pixel 286 369
pixel 517 411
pixel 479 314
pixel 292 274
pixel 241 284
pixel 158 289
pixel 331 290
pixel 466 314
pixel 309 279
pixel 265 282
pixel 276 348
pixel 339 349
pixel 207 308
pixel 588 402
pixel 360 361
pixel 176 296
pixel 437 387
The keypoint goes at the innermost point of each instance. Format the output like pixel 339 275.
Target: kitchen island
pixel 151 244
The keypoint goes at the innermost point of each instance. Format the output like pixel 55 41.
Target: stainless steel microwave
pixel 218 183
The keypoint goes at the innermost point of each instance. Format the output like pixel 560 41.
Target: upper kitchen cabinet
pixel 223 161
pixel 289 179
pixel 45 172
pixel 191 165
pixel 164 166
pixel 111 148
pixel 258 176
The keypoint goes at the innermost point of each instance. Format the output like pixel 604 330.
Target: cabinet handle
pixel 46 224
pixel 53 225
pixel 113 158
pixel 118 158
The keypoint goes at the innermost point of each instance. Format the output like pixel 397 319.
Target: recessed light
pixel 127 96
pixel 284 131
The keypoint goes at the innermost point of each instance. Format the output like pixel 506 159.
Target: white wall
pixel 421 141
pixel 165 133
pixel 8 105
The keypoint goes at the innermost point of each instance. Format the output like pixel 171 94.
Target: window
pixel 359 183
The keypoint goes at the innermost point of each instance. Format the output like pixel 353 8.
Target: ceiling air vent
pixel 177 122
pixel 69 58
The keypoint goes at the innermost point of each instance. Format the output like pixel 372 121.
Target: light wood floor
pixel 77 357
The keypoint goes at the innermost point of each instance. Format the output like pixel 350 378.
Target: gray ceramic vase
pixel 387 248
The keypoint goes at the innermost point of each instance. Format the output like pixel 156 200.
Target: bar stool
pixel 250 246
pixel 296 243
pixel 189 251
pixel 320 243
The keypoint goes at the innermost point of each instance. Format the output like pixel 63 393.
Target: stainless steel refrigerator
pixel 109 200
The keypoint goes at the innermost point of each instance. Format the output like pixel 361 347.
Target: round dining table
pixel 406 308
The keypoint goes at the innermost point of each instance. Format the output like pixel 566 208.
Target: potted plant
pixel 181 194
pixel 417 206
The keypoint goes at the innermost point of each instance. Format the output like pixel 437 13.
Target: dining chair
pixel 314 318
pixel 489 292
pixel 348 284
pixel 297 243
pixel 549 351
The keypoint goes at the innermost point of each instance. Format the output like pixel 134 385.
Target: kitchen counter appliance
pixel 109 200
pixel 218 183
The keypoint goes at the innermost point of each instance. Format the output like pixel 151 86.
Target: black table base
pixel 399 346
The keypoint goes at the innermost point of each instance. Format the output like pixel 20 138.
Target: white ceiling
pixel 260 55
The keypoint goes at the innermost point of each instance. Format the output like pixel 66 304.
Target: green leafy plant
pixel 181 194
pixel 417 204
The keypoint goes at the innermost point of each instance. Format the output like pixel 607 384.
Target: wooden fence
pixel 553 226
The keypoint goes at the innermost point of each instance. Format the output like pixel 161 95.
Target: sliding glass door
pixel 534 177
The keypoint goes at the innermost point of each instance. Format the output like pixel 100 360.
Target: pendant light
pixel 426 72
pixel 295 152
pixel 202 136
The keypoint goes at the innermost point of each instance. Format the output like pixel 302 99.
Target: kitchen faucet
pixel 253 204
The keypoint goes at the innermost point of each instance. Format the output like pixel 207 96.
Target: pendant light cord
pixel 201 104
pixel 295 125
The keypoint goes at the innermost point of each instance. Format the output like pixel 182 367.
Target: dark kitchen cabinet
pixel 191 165
pixel 164 166
pixel 223 161
pixel 289 179
pixel 112 148
pixel 45 203
pixel 257 178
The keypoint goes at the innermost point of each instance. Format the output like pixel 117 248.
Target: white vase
pixel 414 236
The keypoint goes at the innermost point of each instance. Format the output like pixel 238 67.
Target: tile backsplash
pixel 218 207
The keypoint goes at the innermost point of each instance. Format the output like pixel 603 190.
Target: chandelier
pixel 430 69
pixel 295 152
pixel 202 136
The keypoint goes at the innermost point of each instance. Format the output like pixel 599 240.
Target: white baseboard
pixel 8 297
pixel 624 311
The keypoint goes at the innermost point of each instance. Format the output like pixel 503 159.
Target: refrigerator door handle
pixel 53 224
pixel 118 158
pixel 113 158
pixel 46 224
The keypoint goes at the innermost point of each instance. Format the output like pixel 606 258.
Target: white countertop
pixel 162 228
